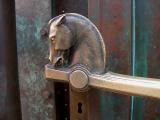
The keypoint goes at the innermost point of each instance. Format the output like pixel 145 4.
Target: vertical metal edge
pixel 133 26
pixel 8 38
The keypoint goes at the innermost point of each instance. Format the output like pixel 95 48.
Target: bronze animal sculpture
pixel 74 39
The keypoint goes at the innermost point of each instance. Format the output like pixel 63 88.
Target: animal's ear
pixel 49 23
pixel 58 21
pixel 61 20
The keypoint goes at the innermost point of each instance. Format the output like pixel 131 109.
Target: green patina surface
pixel 140 66
pixel 31 17
pixel 146 40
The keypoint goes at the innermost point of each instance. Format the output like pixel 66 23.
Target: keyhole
pixel 80 108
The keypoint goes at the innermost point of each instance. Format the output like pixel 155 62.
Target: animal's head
pixel 60 41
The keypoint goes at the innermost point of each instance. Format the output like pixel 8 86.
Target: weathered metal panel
pixel 113 18
pixel 147 55
pixel 31 17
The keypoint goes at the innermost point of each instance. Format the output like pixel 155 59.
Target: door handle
pixel 81 80
pixel 78 57
pixel 110 81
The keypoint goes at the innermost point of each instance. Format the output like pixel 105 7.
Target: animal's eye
pixel 53 38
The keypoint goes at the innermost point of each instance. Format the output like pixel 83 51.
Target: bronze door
pixel 133 50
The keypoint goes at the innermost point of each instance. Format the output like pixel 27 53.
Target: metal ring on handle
pixel 79 80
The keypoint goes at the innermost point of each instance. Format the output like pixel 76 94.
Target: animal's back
pixel 90 50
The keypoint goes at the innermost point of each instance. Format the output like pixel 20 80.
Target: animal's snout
pixel 58 61
pixel 57 58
